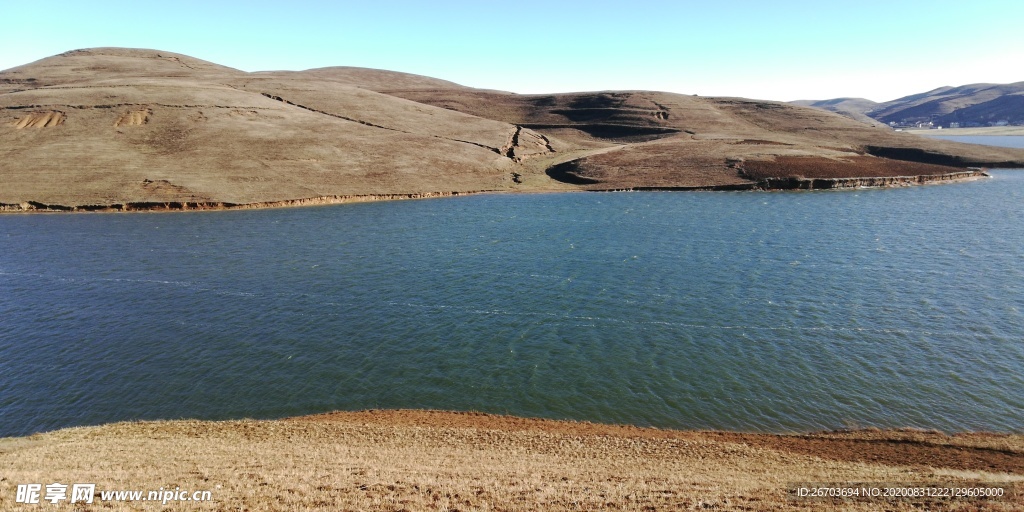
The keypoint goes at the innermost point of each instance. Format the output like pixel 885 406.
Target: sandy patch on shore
pixel 429 460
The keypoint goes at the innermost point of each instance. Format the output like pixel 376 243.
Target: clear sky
pixel 781 50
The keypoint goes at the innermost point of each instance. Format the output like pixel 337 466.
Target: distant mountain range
pixel 967 105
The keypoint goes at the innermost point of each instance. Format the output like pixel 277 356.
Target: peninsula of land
pixel 471 461
pixel 131 129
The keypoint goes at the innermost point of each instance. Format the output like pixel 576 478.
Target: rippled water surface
pixel 746 310
pixel 1006 141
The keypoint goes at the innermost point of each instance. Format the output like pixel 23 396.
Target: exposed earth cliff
pixel 113 128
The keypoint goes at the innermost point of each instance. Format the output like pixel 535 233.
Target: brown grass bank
pixel 430 460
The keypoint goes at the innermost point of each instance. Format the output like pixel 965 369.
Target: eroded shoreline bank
pixel 768 184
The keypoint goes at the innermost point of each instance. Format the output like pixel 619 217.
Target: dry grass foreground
pixel 447 461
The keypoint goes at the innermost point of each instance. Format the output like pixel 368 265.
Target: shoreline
pixel 763 185
pixel 434 460
pixel 1004 131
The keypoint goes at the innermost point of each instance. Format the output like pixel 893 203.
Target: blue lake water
pixel 758 311
pixel 1006 141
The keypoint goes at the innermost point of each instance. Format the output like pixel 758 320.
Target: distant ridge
pixel 373 79
pixel 854 108
pixel 967 105
pixel 117 128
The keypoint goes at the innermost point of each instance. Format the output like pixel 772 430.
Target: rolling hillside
pixel 114 128
pixel 968 105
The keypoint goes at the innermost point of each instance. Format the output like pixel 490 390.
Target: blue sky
pixel 782 50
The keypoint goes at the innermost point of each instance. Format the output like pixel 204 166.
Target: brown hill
pixel 854 108
pixel 665 140
pixel 969 105
pixel 126 128
pixel 373 79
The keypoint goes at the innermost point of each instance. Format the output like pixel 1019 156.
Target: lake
pixel 1006 141
pixel 761 311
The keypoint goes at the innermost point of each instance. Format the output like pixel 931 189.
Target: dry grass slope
pixel 93 129
pixel 427 460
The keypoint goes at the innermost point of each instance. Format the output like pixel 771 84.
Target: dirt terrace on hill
pixel 429 460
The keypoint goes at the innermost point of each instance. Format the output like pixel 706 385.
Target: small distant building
pixel 954 124
pixel 1001 122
